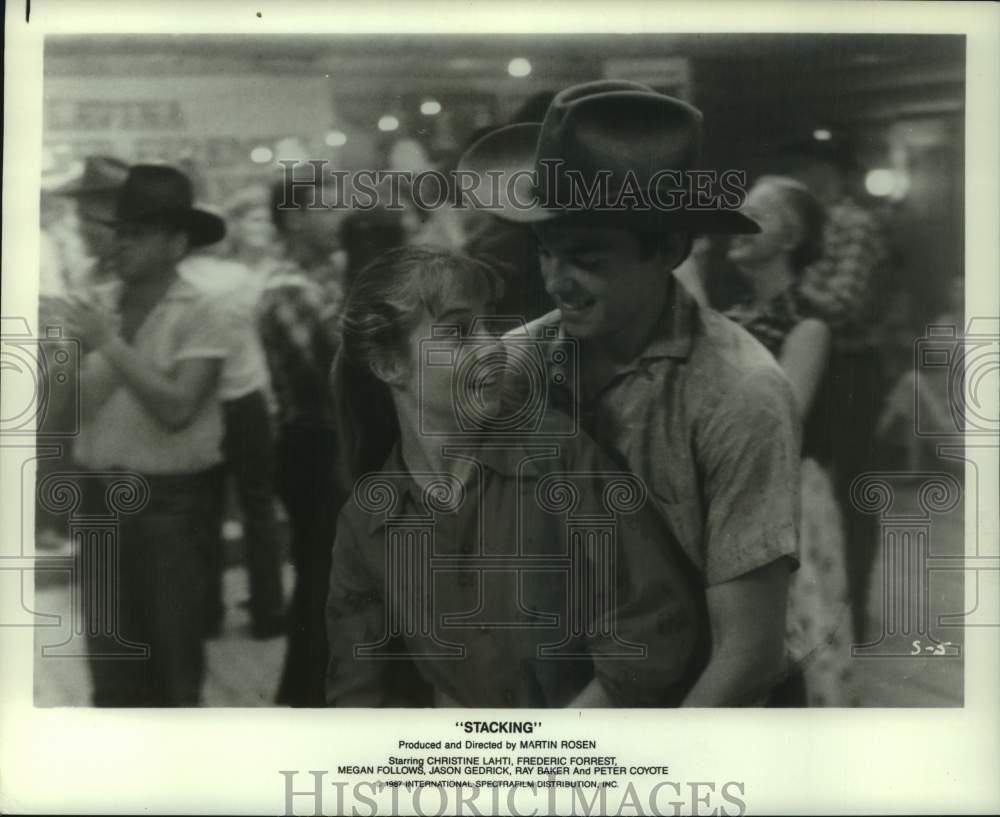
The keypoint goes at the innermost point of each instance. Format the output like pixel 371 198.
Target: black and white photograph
pixel 590 380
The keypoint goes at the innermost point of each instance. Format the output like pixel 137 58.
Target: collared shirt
pixel 705 416
pixel 116 430
pixel 297 319
pixel 502 576
pixel 235 288
pixel 841 284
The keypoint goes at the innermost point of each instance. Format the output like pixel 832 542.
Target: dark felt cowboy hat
pixel 639 140
pixel 159 194
pixel 102 175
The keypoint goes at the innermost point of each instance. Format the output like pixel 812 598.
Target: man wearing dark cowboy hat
pixel 150 406
pixel 681 396
pixel 243 387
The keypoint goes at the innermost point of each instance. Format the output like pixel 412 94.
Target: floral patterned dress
pixel 818 629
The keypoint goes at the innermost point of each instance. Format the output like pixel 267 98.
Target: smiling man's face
pixel 599 277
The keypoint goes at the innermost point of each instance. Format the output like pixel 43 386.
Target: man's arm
pixel 171 397
pixel 749 453
pixel 747 617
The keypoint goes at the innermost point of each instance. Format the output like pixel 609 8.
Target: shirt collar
pixel 508 459
pixel 672 339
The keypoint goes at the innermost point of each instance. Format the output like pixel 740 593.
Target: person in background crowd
pixel 244 382
pixel 390 311
pixel 366 234
pixel 60 247
pixel 681 396
pixel 843 286
pixel 248 446
pixel 253 236
pixel 297 318
pixel 93 194
pixel 151 406
pixel 424 224
pixel 929 394
pixel 779 316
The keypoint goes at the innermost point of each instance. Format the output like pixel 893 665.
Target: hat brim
pixel 503 164
pixel 202 227
pixel 77 189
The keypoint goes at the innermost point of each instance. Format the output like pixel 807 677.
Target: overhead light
pixel 519 67
pixel 388 123
pixel 880 182
pixel 291 147
pixel 822 135
pixel 430 107
pixel 261 154
pixel 335 138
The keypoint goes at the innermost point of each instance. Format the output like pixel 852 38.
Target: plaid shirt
pixel 705 416
pixel 298 328
pixel 512 576
pixel 840 285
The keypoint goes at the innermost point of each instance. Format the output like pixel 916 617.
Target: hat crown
pixel 621 128
pixel 602 147
pixel 103 172
pixel 163 194
pixel 102 175
pixel 154 191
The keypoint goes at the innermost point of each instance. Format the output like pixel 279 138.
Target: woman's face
pixel 255 229
pixel 456 376
pixel 765 206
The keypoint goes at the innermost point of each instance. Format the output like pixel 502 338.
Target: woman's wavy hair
pixel 384 304
pixel 808 214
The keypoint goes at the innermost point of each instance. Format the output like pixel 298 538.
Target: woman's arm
pixel 803 357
